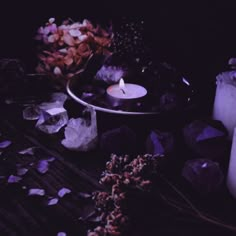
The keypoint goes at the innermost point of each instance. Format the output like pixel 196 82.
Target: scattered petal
pixel 22 171
pixel 28 151
pixel 36 192
pixel 61 234
pixel 13 179
pixel 5 144
pixel 62 192
pixel 53 201
pixel 42 166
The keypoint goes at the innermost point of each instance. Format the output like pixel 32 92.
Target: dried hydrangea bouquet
pixel 65 49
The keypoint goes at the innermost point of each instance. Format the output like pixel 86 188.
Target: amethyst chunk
pixel 204 175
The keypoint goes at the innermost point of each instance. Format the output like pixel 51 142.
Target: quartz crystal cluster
pixel 110 74
pixel 51 115
pixel 81 134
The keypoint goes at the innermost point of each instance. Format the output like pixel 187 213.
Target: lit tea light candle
pixel 225 100
pixel 126 91
pixel 122 93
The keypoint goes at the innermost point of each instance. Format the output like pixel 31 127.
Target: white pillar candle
pixel 123 93
pixel 231 178
pixel 225 100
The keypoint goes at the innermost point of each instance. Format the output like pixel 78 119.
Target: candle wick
pixel 123 91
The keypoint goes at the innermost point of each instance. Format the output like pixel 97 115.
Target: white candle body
pixel 231 178
pixel 130 91
pixel 225 101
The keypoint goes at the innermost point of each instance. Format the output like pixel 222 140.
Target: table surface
pixel 21 214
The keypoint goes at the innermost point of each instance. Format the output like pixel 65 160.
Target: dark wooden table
pixel 25 215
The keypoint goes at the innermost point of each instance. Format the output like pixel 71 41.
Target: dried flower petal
pixel 36 192
pixel 5 144
pixel 61 234
pixel 69 40
pixel 14 179
pixel 51 20
pixel 57 71
pixel 63 191
pixel 42 166
pixel 53 201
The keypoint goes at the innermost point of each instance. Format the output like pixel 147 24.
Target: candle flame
pixel 122 85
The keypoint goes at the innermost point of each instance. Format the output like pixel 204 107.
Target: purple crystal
pixel 204 175
pixel 169 102
pixel 119 141
pixel 207 139
pixel 110 74
pixel 159 143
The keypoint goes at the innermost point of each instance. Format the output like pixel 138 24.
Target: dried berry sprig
pixel 122 174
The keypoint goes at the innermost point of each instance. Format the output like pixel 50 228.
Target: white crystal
pixel 52 120
pixel 80 136
pixel 59 97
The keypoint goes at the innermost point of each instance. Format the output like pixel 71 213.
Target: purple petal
pixel 22 171
pixel 13 179
pixel 5 144
pixel 53 201
pixel 36 192
pixel 42 166
pixel 29 151
pixel 61 234
pixel 63 191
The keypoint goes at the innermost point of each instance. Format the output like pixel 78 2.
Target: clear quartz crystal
pixel 52 120
pixel 79 135
pixel 225 100
pixel 31 113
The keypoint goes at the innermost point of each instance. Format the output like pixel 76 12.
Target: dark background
pixel 196 37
